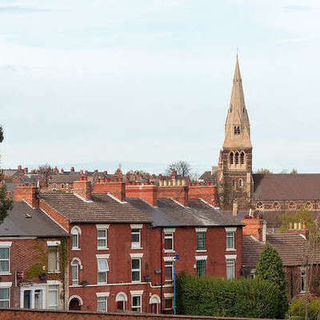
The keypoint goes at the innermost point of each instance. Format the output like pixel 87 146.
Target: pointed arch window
pixel 237 158
pixel 242 157
pixel 231 155
pixel 236 130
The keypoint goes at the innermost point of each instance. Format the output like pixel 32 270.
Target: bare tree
pixel 263 171
pixel 182 168
pixel 45 171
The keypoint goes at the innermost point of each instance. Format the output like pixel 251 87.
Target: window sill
pixel 51 272
pixel 102 283
pixel 201 250
pixel 168 281
pixel 137 281
pixel 231 249
pixel 5 273
pixel 169 251
pixel 102 248
pixel 136 248
pixel 75 249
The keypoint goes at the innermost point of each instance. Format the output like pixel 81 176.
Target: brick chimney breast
pixel 27 192
pixel 82 188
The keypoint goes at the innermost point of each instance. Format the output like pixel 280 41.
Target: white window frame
pixel 136 293
pixel 169 264
pixel 169 234
pixel 105 228
pixel 6 245
pixel 136 229
pixel 53 288
pixel 75 232
pixel 104 297
pixel 231 234
pixel 231 259
pixel 6 286
pixel 54 244
pixel 201 230
pixel 75 263
pixel 168 296
pixel 102 257
pixel 136 270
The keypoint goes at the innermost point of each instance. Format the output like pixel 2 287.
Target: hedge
pixel 244 297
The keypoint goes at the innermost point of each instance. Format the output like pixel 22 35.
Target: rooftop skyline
pixel 149 82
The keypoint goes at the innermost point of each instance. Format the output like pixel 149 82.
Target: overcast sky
pixel 150 80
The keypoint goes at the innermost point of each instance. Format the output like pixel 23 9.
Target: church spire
pixel 237 126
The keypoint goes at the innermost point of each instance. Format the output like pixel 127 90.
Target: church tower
pixel 235 176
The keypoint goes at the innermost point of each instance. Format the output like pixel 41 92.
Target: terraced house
pixel 125 242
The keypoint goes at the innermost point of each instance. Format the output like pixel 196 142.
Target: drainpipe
pixel 161 266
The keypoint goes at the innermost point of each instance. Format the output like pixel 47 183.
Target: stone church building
pixel 238 186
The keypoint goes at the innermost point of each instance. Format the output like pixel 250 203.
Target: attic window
pixel 236 130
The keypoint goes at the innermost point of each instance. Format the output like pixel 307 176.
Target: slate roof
pixel 290 246
pixel 102 208
pixel 169 213
pixel 64 178
pixel 23 221
pixel 208 176
pixel 286 186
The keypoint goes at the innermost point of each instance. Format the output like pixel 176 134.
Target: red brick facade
pixel 28 262
pixel 154 285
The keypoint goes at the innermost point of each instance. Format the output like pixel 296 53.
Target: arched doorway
pixel 121 300
pixel 154 303
pixel 75 303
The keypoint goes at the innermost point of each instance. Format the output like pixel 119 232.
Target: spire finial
pixel 237 75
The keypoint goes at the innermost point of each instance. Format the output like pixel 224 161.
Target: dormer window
pixel 236 130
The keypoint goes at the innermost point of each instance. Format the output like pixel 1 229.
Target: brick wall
pixel 24 255
pixel 208 193
pixel 15 314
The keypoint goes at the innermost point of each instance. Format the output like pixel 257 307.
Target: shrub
pixel 297 308
pixel 253 298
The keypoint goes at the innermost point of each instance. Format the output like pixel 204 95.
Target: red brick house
pixel 124 240
pixel 299 260
pixel 31 270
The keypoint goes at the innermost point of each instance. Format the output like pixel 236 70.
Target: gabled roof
pixel 286 186
pixel 208 176
pixel 170 213
pixel 24 221
pixel 291 247
pixel 103 208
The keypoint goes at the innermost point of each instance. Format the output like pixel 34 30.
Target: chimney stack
pixel 172 191
pixel 82 188
pixel 27 192
pixel 113 185
pixel 147 192
pixel 255 226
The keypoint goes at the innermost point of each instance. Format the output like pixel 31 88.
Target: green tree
pixel 5 202
pixel 270 268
